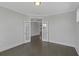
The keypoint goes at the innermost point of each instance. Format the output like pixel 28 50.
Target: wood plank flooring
pixel 37 47
pixel 43 49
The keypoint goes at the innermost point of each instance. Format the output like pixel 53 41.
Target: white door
pixel 27 31
pixel 45 30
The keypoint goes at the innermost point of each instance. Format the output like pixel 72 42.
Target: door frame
pixel 43 22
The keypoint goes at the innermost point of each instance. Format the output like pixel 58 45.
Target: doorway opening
pixel 36 35
pixel 36 31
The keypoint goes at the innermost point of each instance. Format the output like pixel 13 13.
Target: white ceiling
pixel 45 9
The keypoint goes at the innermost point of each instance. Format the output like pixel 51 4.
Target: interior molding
pixel 62 44
pixel 14 46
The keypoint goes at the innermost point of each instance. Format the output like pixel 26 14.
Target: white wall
pixel 77 31
pixel 62 28
pixel 11 29
pixel 77 41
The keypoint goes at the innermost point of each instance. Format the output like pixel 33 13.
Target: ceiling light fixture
pixel 37 2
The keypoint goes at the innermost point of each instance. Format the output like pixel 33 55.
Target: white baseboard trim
pixel 63 44
pixel 27 41
pixel 60 43
pixel 77 50
pixel 43 40
pixel 13 46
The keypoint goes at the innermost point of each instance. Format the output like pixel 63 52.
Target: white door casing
pixel 27 31
pixel 45 30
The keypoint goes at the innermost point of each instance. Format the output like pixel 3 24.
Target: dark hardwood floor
pixel 40 48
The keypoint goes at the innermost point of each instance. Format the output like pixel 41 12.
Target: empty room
pixel 39 28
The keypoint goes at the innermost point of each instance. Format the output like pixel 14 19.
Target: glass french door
pixel 27 31
pixel 45 30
